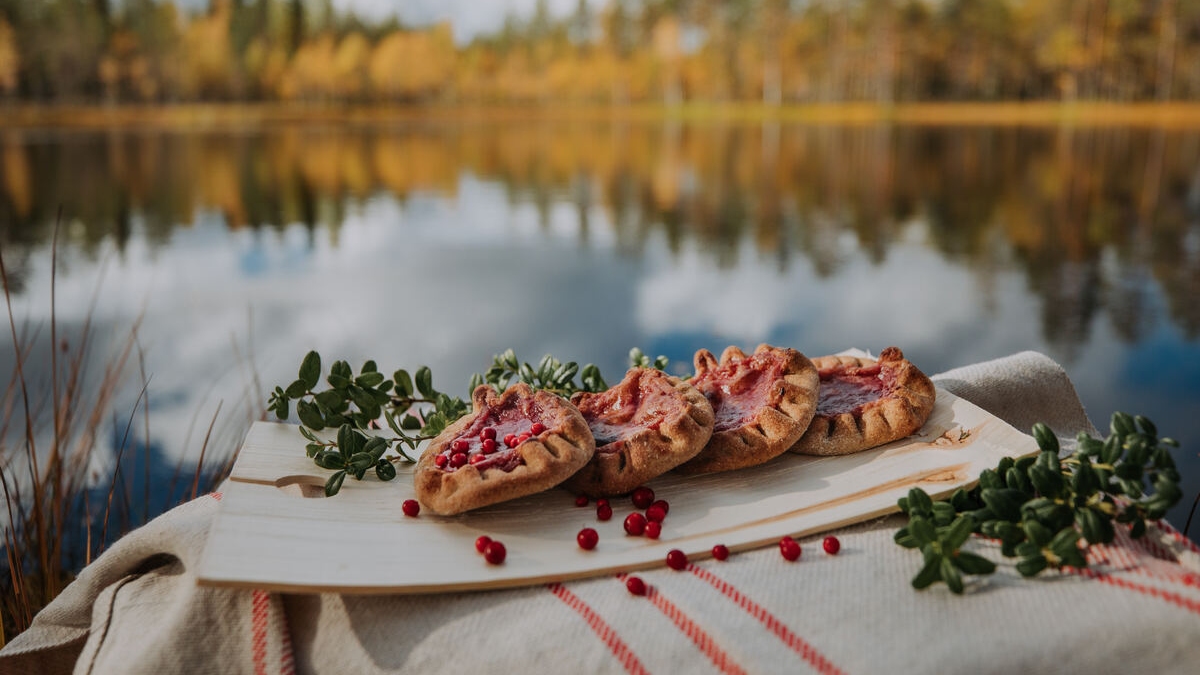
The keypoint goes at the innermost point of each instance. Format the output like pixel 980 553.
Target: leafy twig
pixel 1045 511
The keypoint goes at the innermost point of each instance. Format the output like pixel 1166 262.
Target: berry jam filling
pixel 640 401
pixel 492 438
pixel 738 390
pixel 851 390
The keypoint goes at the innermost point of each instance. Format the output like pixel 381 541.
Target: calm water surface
pixel 443 245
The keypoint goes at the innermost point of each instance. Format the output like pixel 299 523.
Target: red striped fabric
pixel 802 647
pixel 621 651
pixel 1150 591
pixel 258 628
pixel 1178 536
pixel 703 641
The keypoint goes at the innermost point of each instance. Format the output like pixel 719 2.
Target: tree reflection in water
pixel 1099 224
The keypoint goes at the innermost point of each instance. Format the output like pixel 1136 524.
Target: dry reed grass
pixel 60 518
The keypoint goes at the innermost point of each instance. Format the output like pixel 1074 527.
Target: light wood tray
pixel 275 530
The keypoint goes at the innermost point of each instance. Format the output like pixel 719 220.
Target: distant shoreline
pixel 216 116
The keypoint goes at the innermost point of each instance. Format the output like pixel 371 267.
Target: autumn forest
pixel 615 52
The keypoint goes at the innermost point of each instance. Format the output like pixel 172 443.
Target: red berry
pixel 477 458
pixel 662 503
pixel 789 548
pixel 635 524
pixel 831 545
pixel 440 461
pixel 676 559
pixel 581 500
pixel 488 445
pixel 522 438
pixel 635 585
pixel 537 428
pixel 642 497
pixel 603 512
pixel 510 440
pixel 720 551
pixel 459 445
pixel 458 459
pixel 494 553
pixel 603 501
pixel 411 508
pixel 488 434
pixel 655 513
pixel 587 538
pixel 482 542
pixel 653 529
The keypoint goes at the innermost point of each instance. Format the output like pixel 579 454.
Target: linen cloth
pixel 1136 608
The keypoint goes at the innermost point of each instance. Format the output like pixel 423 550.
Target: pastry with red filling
pixel 510 445
pixel 644 426
pixel 762 403
pixel 865 403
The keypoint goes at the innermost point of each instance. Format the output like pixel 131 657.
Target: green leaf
pixel 1005 503
pixel 281 408
pixel 342 369
pixel 1111 450
pixel 296 389
pixel 369 366
pixel 334 484
pixel 369 380
pixel 951 575
pixel 1065 542
pixel 347 440
pixel 1138 529
pixel 310 370
pixel 919 501
pixel 385 470
pixel 1047 483
pixel 1096 528
pixel 1037 533
pixel 1028 549
pixel 338 381
pixel 375 446
pixel 990 480
pixel 922 529
pixel 310 415
pixel 1121 424
pixel 905 538
pixel 330 459
pixel 312 449
pixel 1085 481
pixel 404 383
pixel 361 461
pixel 424 381
pixel 973 564
pixel 1045 438
pixel 958 533
pixel 930 572
pixel 943 513
pixel 1018 480
pixel 1032 565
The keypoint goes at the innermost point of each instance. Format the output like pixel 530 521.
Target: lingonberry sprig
pixel 638 359
pixel 1045 510
pixel 353 404
pixel 551 375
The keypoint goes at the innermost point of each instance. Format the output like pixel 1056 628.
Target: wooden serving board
pixel 275 530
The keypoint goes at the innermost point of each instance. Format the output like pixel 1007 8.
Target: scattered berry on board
pixel 789 548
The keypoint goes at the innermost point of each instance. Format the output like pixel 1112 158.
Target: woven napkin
pixel 1135 608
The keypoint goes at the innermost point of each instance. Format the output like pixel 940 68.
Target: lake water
pixel 235 252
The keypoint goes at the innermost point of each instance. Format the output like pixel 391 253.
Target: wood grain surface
pixel 275 530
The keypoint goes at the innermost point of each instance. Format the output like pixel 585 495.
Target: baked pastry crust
pixel 543 461
pixel 644 426
pixel 762 404
pixel 878 401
